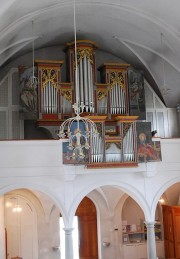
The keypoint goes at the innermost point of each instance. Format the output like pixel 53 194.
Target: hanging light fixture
pixel 33 78
pixel 78 129
pixel 165 90
pixel 161 200
pixel 17 208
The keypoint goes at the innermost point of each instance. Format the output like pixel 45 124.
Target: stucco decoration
pixel 28 93
pixel 136 94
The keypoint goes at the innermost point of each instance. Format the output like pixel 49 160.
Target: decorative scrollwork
pixel 81 53
pixel 99 127
pixel 117 78
pixel 101 94
pixel 126 127
pixel 107 145
pixel 49 75
pixel 67 94
pixel 118 145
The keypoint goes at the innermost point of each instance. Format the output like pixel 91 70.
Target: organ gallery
pixel 115 103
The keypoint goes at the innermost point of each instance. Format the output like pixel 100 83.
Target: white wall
pixel 2 229
pixel 40 225
pixel 173 123
pixel 38 165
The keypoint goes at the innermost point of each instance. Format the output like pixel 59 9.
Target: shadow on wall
pixel 31 131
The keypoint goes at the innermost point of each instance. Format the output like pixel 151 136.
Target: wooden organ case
pixel 106 103
pixel 86 72
pixel 113 98
pixel 49 102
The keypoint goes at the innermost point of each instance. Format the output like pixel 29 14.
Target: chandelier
pixel 165 90
pixel 80 130
pixel 33 78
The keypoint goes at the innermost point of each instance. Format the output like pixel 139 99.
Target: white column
pixel 151 242
pixel 68 243
pixel 2 230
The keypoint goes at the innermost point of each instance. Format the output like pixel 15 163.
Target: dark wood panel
pixel 177 232
pixel 171 221
pixel 87 222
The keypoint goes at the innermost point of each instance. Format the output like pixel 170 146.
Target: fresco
pixel 148 150
pixel 136 94
pixel 28 92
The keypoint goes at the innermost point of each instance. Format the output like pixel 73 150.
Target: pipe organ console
pixel 105 102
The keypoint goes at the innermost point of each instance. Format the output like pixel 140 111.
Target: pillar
pixel 68 243
pixel 2 230
pixel 151 242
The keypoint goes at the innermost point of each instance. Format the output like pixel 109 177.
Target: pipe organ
pixel 48 91
pixel 66 98
pixel 119 148
pixel 85 72
pixel 127 126
pixel 97 142
pixel 105 102
pixel 115 77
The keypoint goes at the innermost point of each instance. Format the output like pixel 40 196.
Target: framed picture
pixel 110 130
pixel 71 156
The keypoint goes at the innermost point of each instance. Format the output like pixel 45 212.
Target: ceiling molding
pixel 14 52
pixel 30 39
pixel 149 49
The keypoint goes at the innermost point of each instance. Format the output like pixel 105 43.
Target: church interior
pixel 89 129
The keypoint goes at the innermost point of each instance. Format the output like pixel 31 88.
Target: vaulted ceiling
pixel 144 33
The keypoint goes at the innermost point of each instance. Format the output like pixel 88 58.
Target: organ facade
pixel 114 104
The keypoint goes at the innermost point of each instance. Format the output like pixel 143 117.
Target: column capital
pixel 150 224
pixel 68 231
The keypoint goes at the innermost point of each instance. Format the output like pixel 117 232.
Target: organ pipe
pixel 49 99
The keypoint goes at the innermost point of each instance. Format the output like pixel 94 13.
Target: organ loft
pixel 115 103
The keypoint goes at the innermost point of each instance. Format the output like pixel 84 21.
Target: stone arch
pixel 130 190
pixel 21 220
pixel 161 190
pixel 42 188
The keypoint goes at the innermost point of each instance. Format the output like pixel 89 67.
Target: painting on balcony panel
pixel 136 94
pixel 148 150
pixel 72 155
pixel 28 93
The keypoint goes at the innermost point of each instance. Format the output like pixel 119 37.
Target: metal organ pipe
pixel 113 154
pixel 91 89
pixel 48 98
pixel 121 101
pixel 86 84
pixel 86 87
pixel 102 106
pixel 128 144
pixel 117 99
pixel 81 90
pixel 97 145
pixel 89 84
pixel 50 95
pixel 66 106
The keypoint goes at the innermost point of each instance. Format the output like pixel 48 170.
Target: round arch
pixel 21 220
pixel 163 188
pixel 130 190
pixel 38 187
